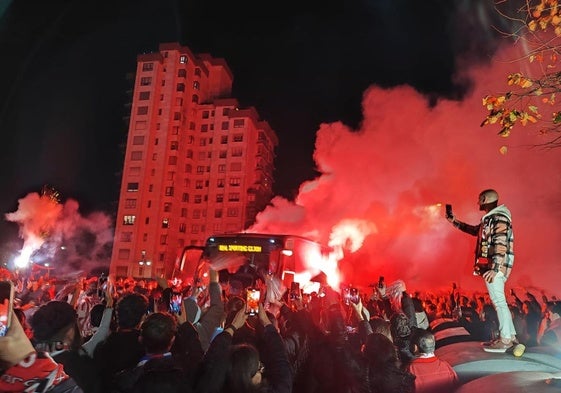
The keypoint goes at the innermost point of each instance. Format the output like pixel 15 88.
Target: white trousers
pixel 496 291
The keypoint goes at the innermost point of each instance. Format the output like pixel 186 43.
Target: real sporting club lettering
pixel 239 248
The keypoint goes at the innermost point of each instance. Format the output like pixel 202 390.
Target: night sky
pixel 377 106
pixel 63 80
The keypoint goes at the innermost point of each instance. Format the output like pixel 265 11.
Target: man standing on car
pixel 494 259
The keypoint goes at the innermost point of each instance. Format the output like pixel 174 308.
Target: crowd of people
pixel 102 335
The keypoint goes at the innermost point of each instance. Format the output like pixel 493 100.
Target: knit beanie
pixel 50 319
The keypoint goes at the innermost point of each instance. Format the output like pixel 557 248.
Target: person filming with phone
pixel 494 260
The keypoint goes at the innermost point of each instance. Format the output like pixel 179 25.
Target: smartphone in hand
pixel 252 298
pixel 6 306
pixel 449 213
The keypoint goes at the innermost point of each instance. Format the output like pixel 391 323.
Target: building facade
pixel 195 163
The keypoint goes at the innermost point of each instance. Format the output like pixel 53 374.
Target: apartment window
pixel 189 154
pixel 132 187
pixel 138 140
pixel 195 99
pixel 134 170
pixel 188 168
pixel 192 126
pixel 197 71
pixel 198 199
pixel 144 95
pixel 169 191
pixel 130 203
pixel 149 204
pixel 142 110
pixel 147 66
pixel 218 213
pixel 202 142
pixel 159 111
pixel 232 212
pixel 219 198
pixel 217 227
pixel 238 137
pixel 239 123
pixel 170 176
pixel 183 212
pixel 196 213
pixel 236 166
pixel 225 111
pixel 182 59
pixel 222 153
pixel 235 181
pixel 185 197
pixel 200 169
pixel 196 85
pixel 178 101
pixel 222 168
pixel 190 139
pixel 176 115
pixel 202 155
pixel 140 125
pixel 220 183
pixel 167 207
pixel 234 197
pixel 172 160
pixel 195 228
pixel 204 127
pixel 182 227
pixel 175 130
pixel 124 253
pixel 150 188
pixel 154 156
pixel 165 223
pixel 199 184
pixel 182 73
pixel 224 139
pixel 180 87
pixel 146 81
pixel 163 239
pixel 237 152
pixel 225 125
pixel 129 220
pixel 144 237
pixel 147 220
pixel 126 237
pixel 174 145
pixel 205 114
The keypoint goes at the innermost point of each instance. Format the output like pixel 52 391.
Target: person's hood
pixel 192 309
pixel 501 209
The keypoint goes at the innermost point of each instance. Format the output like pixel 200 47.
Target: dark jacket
pixel 82 369
pixel 120 351
pixel 277 371
pixel 157 374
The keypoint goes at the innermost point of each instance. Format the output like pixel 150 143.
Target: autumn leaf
pixel 503 150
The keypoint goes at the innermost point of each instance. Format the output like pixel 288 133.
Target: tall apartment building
pixel 195 164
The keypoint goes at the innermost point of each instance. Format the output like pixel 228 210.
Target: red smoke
pixel 57 233
pixel 392 174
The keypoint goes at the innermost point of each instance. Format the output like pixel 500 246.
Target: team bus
pixel 250 256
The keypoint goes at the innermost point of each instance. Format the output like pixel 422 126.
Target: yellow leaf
pixel 525 83
pixel 532 25
pixel 503 150
pixel 557 31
